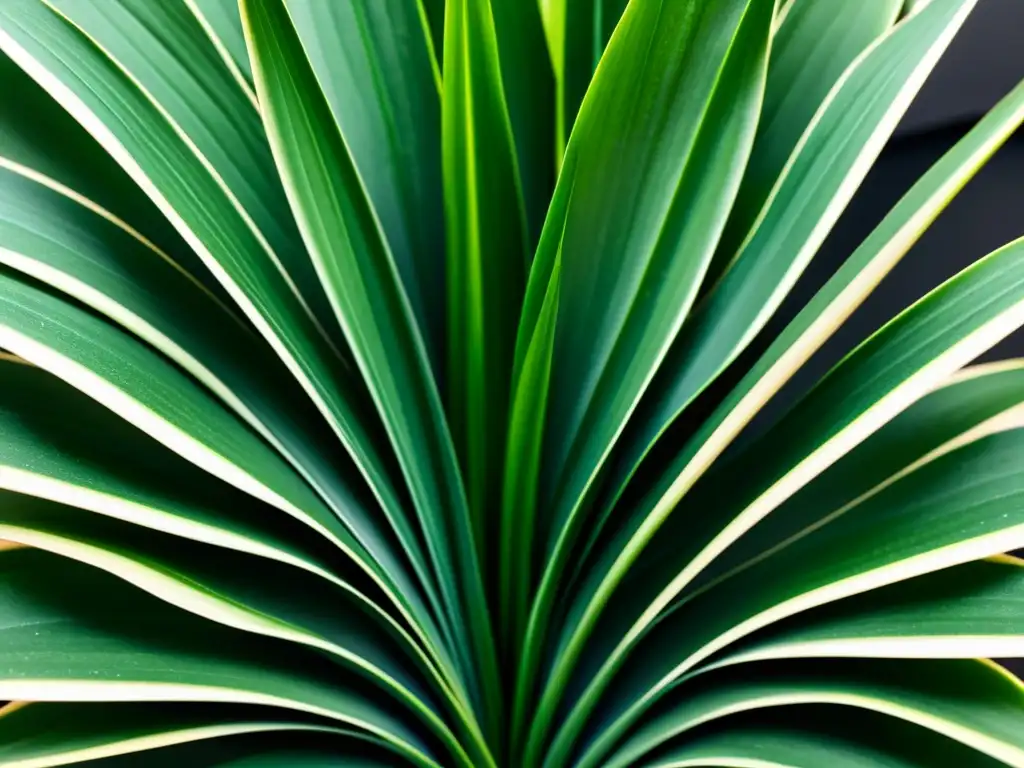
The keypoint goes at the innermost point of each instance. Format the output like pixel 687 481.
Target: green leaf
pixel 577 32
pixel 84 636
pixel 835 154
pixel 50 450
pixel 522 467
pixel 223 25
pixel 968 611
pixel 432 16
pixel 487 255
pixel 246 594
pixel 269 750
pixel 829 307
pixel 362 282
pixel 164 52
pixel 967 701
pixel 139 385
pixel 102 266
pixel 634 251
pixel 884 376
pixel 377 70
pixel 528 85
pixel 858 741
pixel 964 506
pixel 50 734
pixel 137 135
pixel 44 142
pixel 974 403
pixel 813 46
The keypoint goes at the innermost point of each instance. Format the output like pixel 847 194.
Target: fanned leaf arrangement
pixel 384 382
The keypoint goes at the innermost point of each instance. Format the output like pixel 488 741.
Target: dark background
pixel 984 62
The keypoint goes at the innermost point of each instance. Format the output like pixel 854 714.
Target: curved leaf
pixel 377 70
pixel 963 700
pixel 813 45
pixel 44 734
pixel 487 254
pixel 99 264
pixel 833 157
pixel 932 519
pixel 128 647
pixel 362 282
pixel 109 105
pixel 252 596
pixel 634 251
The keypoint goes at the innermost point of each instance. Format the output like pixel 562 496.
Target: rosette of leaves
pixel 394 382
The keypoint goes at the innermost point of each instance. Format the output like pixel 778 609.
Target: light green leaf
pixel 102 266
pixel 140 386
pixel 270 750
pixel 522 466
pixel 634 251
pixel 246 594
pixel 97 94
pixel 930 520
pixel 972 404
pixel 222 24
pixel 577 32
pixel 829 307
pixel 50 450
pixel 858 740
pixel 43 141
pixel 487 256
pixel 970 611
pixel 43 734
pixel 362 282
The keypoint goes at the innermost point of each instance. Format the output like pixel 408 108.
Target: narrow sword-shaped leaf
pixel 43 139
pixel 487 256
pixel 930 520
pixel 88 637
pixel 813 46
pixel 99 96
pixel 100 265
pixel 140 386
pixel 164 52
pixel 634 251
pixel 529 88
pixel 700 95
pixel 975 610
pixel 271 750
pixel 974 403
pixel 829 308
pixel 236 591
pixel 45 734
pixel 577 32
pixel 876 742
pixel 362 282
pixel 222 24
pixel 376 69
pixel 522 466
pixel 833 157
pixel 966 701
pixel 50 451
pixel 888 373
